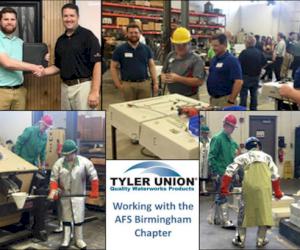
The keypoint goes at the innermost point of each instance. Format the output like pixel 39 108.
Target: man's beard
pixel 8 31
pixel 134 40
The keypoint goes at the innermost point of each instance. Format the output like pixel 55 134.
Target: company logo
pixel 154 167
pixel 152 176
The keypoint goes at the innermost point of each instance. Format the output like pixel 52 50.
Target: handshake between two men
pixel 12 65
pixel 40 70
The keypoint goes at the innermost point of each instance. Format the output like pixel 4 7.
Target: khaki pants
pixel 287 61
pixel 75 97
pixel 136 90
pixel 219 102
pixel 13 99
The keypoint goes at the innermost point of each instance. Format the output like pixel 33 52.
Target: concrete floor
pixel 93 233
pixel 125 149
pixel 214 237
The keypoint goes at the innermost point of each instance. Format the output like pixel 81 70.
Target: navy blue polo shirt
pixel 223 71
pixel 297 79
pixel 133 62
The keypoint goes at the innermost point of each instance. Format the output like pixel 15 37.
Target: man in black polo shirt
pixel 78 60
pixel 252 61
pixel 133 59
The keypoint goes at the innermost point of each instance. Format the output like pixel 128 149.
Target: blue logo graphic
pixel 154 167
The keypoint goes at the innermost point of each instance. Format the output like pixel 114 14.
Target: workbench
pixel 271 89
pixel 155 123
pixel 204 106
pixel 11 163
pixel 16 169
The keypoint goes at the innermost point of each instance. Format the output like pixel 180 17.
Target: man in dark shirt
pixel 252 61
pixel 78 60
pixel 132 60
pixel 259 45
pixel 225 75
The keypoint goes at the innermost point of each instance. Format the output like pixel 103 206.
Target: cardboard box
pixel 145 27
pixel 158 27
pixel 142 3
pixel 122 21
pixel 149 26
pixel 56 138
pixel 157 4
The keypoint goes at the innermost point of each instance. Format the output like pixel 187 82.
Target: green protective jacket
pixel 257 195
pixel 31 145
pixel 222 152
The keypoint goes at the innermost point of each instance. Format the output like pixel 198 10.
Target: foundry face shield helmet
pixel 252 142
pixel 69 147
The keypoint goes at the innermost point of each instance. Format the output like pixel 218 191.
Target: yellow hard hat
pixel 181 35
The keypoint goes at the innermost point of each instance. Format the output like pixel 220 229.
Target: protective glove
pixel 94 194
pixel 276 188
pixel 53 194
pixel 226 180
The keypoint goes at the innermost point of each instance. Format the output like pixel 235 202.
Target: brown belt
pixel 77 81
pixel 11 87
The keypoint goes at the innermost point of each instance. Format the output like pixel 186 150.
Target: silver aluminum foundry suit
pixel 73 181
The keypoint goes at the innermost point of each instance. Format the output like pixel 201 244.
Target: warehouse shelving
pixel 108 14
pixel 202 25
pixel 178 11
pixel 128 7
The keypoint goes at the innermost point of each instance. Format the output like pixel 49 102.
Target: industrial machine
pixel 159 123
pixel 17 176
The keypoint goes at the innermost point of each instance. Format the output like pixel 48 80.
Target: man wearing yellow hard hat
pixel 183 70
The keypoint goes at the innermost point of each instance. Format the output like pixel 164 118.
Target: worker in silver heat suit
pixel 69 175
pixel 255 208
pixel 204 150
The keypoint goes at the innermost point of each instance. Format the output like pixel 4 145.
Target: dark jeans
pixel 277 67
pixel 269 68
pixel 250 84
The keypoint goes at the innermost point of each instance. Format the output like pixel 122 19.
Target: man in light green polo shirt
pixel 12 91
